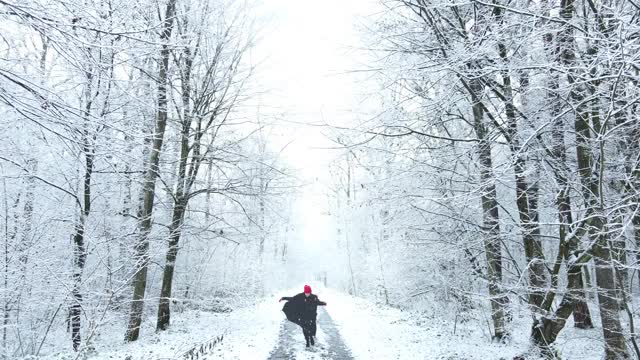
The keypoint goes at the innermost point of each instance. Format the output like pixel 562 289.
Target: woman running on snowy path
pixel 302 309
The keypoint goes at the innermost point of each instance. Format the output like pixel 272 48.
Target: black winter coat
pixel 301 307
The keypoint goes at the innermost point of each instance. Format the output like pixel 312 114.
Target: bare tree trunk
pixel 619 255
pixel 347 224
pixel 164 307
pixel 575 286
pixel 491 225
pixel 538 279
pixel 79 250
pixel 283 255
pixel 6 306
pixel 261 206
pixel 207 213
pixel 636 233
pixel 581 313
pixel 126 202
pixel 28 215
pixel 180 202
pixel 263 184
pixel 75 308
pixel 384 236
pixel 144 227
pixel 615 344
pixel 545 331
pixel 632 167
pixel 626 146
pixel 490 215
pixel 206 112
pixel 616 347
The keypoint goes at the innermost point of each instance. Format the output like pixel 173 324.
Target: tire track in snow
pixel 329 343
pixel 337 348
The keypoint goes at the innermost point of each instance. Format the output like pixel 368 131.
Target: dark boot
pixel 307 339
pixel 312 340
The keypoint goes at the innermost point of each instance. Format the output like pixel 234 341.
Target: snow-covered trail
pixel 329 343
pixel 355 328
pixel 349 328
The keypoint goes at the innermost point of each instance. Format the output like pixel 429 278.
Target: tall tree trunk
pixel 628 148
pixel 25 243
pixel 80 253
pixel 545 330
pixel 179 208
pixel 79 248
pixel 619 254
pixel 7 239
pixel 164 307
pixel 347 224
pixel 537 272
pixel 636 232
pixel 207 213
pixel 383 236
pixel 492 243
pixel 149 185
pixel 615 342
pixel 490 215
pixel 181 195
pixel 581 313
pixel 632 167
pixel 591 180
pixel 283 255
pixel 261 207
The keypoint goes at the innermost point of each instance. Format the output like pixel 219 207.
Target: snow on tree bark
pixel 151 174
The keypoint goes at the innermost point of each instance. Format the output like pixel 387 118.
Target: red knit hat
pixel 307 289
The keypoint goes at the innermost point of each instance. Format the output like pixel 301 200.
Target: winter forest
pixel 454 179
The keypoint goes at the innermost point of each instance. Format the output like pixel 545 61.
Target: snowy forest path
pixel 329 343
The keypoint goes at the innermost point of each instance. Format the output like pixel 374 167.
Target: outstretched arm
pixel 287 298
pixel 321 303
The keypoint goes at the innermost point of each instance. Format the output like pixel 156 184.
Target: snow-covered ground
pixel 249 333
pixel 379 332
pixel 291 345
pixel 375 332
pixel 356 328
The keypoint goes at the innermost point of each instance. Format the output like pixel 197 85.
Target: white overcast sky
pixel 306 51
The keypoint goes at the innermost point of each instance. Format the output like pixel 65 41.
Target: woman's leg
pixel 306 332
pixel 313 327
